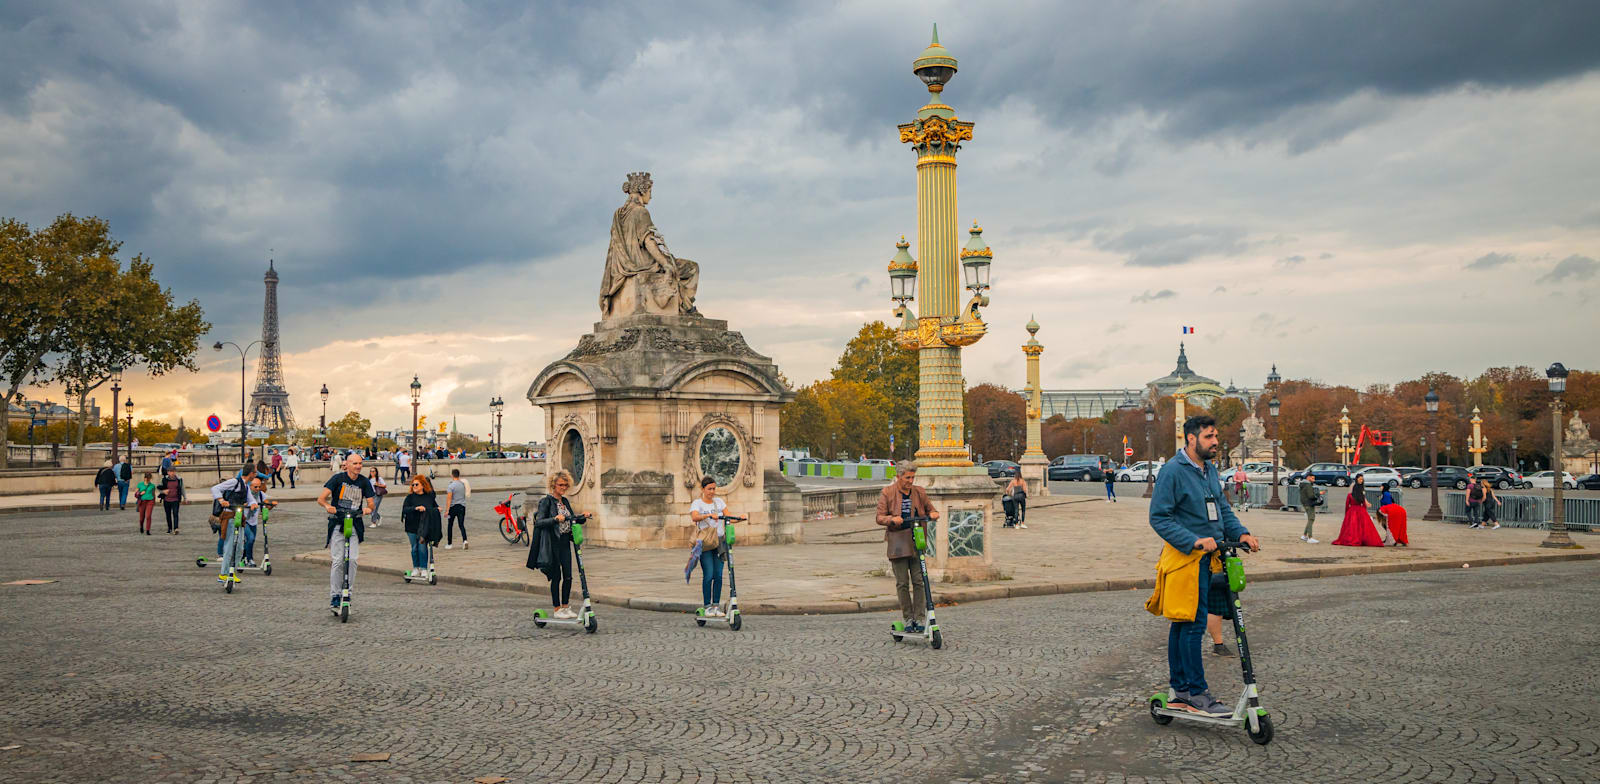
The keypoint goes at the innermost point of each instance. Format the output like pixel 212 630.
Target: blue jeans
pixel 419 551
pixel 249 543
pixel 105 497
pixel 122 493
pixel 225 546
pixel 1184 666
pixel 711 578
pixel 1111 490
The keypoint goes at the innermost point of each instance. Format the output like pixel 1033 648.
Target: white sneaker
pixel 1303 537
pixel 717 611
pixel 1496 527
pixel 1022 525
pixel 1312 541
pixel 449 547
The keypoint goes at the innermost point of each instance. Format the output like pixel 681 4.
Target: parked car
pixel 1499 477
pixel 808 460
pixel 1589 482
pixel 1260 471
pixel 1336 474
pixel 1138 472
pixel 1077 468
pixel 999 468
pixel 1379 476
pixel 877 461
pixel 1449 476
pixel 1547 480
pixel 1406 471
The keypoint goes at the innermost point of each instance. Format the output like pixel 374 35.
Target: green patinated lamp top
pixel 1032 326
pixel 934 55
pixel 902 258
pixel 976 246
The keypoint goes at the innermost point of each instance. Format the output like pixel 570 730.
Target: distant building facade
pixel 1096 403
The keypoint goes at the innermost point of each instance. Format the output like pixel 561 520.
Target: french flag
pixel 1188 330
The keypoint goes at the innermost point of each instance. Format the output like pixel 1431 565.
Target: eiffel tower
pixel 269 404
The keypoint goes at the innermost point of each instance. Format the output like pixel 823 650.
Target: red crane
pixel 1373 437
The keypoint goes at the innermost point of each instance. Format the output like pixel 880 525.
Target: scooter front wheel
pixel 1155 712
pixel 267 571
pixel 938 640
pixel 344 614
pixel 227 587
pixel 433 579
pixel 1263 736
pixel 592 625
pixel 737 623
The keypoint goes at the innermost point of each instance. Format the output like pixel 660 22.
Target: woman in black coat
pixel 420 511
pixel 551 551
pixel 104 481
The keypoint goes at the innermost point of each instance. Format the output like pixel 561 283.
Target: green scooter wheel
pixel 1263 736
pixel 1156 704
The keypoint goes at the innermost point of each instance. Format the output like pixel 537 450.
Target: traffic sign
pixel 213 423
pixel 1127 451
pixel 39 423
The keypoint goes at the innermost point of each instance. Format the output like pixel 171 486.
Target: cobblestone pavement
pixel 136 667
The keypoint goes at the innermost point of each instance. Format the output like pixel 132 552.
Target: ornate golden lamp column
pixel 1033 458
pixel 1178 416
pixel 1476 444
pixel 963 493
pixel 1344 447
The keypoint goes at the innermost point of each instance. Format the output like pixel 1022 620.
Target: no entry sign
pixel 213 423
pixel 1127 451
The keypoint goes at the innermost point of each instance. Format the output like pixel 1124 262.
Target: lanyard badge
pixel 1211 509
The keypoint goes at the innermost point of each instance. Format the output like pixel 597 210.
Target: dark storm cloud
pixel 1169 244
pixel 1490 261
pixel 377 145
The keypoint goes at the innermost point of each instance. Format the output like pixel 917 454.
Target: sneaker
pixel 222 578
pixel 1221 649
pixel 1474 525
pixel 465 547
pixel 1207 705
pixel 1310 540
pixel 252 564
pixel 1496 527
pixel 1022 525
pixel 449 547
pixel 914 627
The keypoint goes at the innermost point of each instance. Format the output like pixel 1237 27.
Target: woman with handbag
pixel 551 550
pixel 379 490
pixel 421 516
pixel 705 512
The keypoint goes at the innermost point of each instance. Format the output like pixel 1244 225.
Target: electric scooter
pixel 731 615
pixel 233 551
pixel 930 633
pixel 265 567
pixel 431 578
pixel 586 618
pixel 1247 713
pixel 343 610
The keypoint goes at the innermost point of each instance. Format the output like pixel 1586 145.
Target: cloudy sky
pixel 1358 191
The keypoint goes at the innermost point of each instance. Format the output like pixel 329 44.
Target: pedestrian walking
pixel 291 463
pixel 551 549
pixel 1017 489
pixel 1475 496
pixel 168 460
pixel 379 490
pixel 1491 506
pixel 275 464
pixel 124 478
pixel 1189 510
pixel 456 503
pixel 1111 485
pixel 403 465
pixel 346 492
pixel 172 497
pixel 104 480
pixel 900 500
pixel 145 499
pixel 1310 499
pixel 420 513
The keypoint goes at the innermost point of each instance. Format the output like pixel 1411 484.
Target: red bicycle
pixel 513 526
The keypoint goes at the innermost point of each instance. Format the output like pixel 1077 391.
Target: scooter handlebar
pixel 1224 544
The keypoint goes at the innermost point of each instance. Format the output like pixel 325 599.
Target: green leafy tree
pixel 111 316
pixel 349 430
pixel 873 358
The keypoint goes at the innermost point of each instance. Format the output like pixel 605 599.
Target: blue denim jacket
pixel 1178 505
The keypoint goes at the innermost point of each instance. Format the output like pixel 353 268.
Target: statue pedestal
pixel 963 539
pixel 1033 472
pixel 644 407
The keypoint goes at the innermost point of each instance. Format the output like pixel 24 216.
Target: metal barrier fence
pixel 1260 494
pixel 1529 511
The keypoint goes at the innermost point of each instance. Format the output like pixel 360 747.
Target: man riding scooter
pixel 900 500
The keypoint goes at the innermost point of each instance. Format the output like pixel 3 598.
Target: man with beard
pixel 1190 511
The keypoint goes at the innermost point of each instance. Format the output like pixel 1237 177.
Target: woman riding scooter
pixel 551 551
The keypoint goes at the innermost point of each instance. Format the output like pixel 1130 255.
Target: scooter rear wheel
pixel 1264 736
pixel 1155 708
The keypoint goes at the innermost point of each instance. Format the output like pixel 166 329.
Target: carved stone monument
pixel 657 396
pixel 1578 448
pixel 1256 445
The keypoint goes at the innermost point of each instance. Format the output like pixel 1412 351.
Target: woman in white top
pixel 379 490
pixel 704 512
pixel 291 463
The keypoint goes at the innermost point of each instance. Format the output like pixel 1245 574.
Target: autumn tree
pixel 38 271
pixel 349 430
pixel 874 358
pixel 835 418
pixel 998 418
pixel 112 317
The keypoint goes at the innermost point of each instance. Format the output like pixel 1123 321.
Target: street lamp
pixel 1272 408
pixel 116 387
pixel 1514 465
pixel 497 406
pixel 322 424
pixel 128 407
pixel 243 352
pixel 416 400
pixel 1557 375
pixel 1149 452
pixel 1431 402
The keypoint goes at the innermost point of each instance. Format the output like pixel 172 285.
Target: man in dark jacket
pixel 898 501
pixel 1309 499
pixel 104 480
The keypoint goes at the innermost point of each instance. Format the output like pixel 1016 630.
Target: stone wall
pixel 24 481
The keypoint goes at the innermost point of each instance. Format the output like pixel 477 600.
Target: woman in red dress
pixel 1358 530
pixel 1395 517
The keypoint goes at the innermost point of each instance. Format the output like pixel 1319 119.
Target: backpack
pixel 127 472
